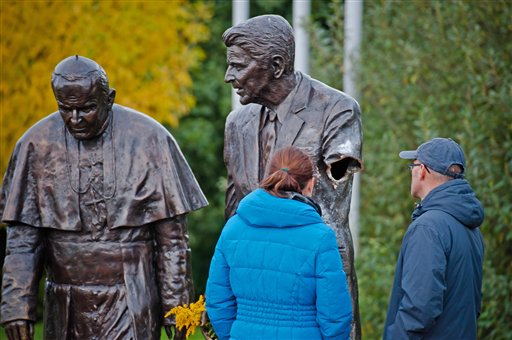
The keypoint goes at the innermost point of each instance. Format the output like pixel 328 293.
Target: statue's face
pixel 83 107
pixel 248 77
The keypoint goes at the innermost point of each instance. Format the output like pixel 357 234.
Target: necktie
pixel 267 141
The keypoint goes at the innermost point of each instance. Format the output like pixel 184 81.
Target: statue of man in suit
pixel 283 107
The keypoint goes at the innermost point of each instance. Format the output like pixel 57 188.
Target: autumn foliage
pixel 146 48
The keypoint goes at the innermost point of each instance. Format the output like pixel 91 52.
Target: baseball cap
pixel 439 154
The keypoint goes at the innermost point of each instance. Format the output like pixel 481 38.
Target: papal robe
pixel 105 219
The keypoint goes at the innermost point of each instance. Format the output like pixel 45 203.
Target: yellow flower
pixel 188 316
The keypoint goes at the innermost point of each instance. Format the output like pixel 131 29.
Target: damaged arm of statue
pixel 20 285
pixel 174 272
pixel 339 169
pixel 342 143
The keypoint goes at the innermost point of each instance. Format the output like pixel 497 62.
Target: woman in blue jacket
pixel 276 272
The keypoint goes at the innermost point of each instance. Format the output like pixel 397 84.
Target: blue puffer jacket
pixel 438 279
pixel 277 274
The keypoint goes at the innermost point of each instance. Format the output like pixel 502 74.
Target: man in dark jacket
pixel 438 279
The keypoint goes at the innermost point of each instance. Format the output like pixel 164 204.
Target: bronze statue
pixel 96 194
pixel 282 107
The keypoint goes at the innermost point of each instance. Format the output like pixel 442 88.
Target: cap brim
pixel 410 154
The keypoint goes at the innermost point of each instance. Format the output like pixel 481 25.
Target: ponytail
pixel 289 171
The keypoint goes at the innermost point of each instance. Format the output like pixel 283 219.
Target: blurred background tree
pixel 429 68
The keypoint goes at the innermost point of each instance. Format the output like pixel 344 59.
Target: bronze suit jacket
pixel 324 122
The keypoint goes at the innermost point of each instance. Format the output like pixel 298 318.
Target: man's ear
pixel 423 172
pixel 277 66
pixel 111 97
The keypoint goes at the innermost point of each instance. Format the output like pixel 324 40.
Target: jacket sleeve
pixel 231 194
pixel 173 264
pixel 23 267
pixel 334 307
pixel 342 140
pixel 423 283
pixel 220 300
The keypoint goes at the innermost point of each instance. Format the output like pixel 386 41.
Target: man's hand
pixel 19 330
pixel 178 335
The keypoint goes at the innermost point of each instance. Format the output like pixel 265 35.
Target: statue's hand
pixel 19 330
pixel 178 335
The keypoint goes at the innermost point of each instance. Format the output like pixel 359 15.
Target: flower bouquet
pixel 192 316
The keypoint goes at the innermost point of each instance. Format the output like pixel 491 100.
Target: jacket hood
pixel 455 197
pixel 261 209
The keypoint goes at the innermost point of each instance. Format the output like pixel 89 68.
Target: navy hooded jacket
pixel 277 274
pixel 437 289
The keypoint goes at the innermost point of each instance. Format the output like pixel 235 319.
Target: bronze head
pixel 260 55
pixel 83 96
pixel 263 37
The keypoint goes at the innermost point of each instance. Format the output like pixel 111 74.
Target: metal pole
pixel 301 12
pixel 240 13
pixel 352 45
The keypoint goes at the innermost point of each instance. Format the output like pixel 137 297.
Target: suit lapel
pixel 289 131
pixel 293 122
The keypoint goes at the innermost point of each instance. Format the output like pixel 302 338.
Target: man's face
pixel 83 107
pixel 248 77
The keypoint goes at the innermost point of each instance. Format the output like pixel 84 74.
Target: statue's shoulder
pixel 47 128
pixel 324 92
pixel 243 114
pixel 134 122
pixel 321 87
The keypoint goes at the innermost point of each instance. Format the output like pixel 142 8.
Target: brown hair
pixel 290 170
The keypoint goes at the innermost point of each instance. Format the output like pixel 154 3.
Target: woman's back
pixel 278 272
